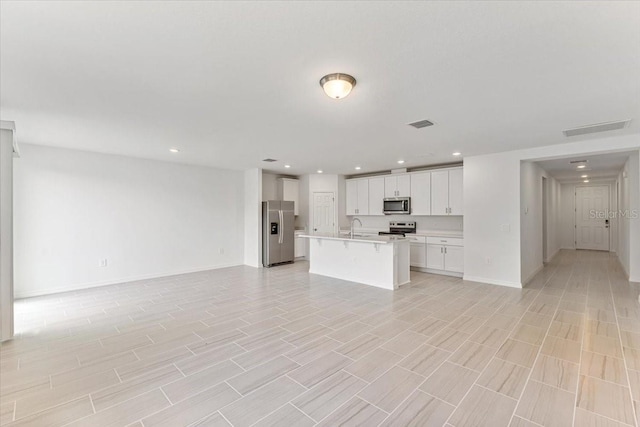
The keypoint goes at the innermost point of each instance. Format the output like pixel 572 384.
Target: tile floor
pixel 242 347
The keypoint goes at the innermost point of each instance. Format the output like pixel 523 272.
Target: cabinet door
pixel 290 191
pixel 417 257
pixel 363 197
pixel 421 193
pixel 435 257
pixel 403 185
pixel 454 259
pixel 352 197
pixel 390 186
pixel 300 247
pixel 455 192
pixel 439 193
pixel 376 195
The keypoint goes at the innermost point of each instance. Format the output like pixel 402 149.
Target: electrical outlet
pixel 221 251
pixel 102 262
pixel 488 260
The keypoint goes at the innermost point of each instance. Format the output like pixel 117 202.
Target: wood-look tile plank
pixel 483 408
pixel 185 387
pixel 355 412
pixel 589 419
pixel 425 359
pixel 450 382
pixel 327 396
pixel 556 372
pixel 257 405
pixel 373 364
pixel 193 409
pixel 604 367
pixel 473 355
pixel 360 346
pixel 546 405
pixel 420 409
pixel 518 352
pixel 389 390
pixel 127 411
pixel 504 377
pixel 260 375
pixel 57 416
pixel 288 415
pixel 605 398
pixel 320 369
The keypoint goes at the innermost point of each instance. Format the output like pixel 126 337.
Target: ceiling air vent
pixel 573 162
pixel 269 160
pixel 421 124
pixel 599 127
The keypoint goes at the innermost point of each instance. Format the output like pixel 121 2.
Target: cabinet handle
pixel 445 250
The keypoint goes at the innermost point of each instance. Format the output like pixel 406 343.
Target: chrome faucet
pixel 352 222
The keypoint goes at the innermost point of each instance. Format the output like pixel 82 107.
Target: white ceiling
pixel 603 166
pixel 233 83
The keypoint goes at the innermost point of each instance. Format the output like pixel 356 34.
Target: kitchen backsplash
pixel 422 222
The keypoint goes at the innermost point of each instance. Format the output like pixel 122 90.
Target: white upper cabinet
pixel 436 192
pixel 446 192
pixel 289 190
pixel 421 193
pixel 397 186
pixel 376 195
pixel 357 197
pixel 455 191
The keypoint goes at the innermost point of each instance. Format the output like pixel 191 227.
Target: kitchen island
pixel 381 261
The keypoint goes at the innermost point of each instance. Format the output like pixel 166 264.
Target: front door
pixel 592 222
pixel 323 213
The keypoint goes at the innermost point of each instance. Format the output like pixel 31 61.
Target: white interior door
pixel 592 225
pixel 323 213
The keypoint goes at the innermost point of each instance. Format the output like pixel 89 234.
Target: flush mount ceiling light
pixel 319 170
pixel 174 150
pixel 400 162
pixel 584 176
pixel 457 153
pixel 582 166
pixel 337 85
pixel 287 166
pixel 586 180
pixel 358 168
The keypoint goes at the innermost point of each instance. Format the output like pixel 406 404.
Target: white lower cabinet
pixel 418 251
pixel 299 246
pixel 445 254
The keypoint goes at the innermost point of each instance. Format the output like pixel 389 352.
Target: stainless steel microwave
pixel 397 206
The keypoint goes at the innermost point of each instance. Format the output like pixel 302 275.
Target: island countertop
pixel 356 238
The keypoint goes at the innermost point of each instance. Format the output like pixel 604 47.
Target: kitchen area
pixel 334 217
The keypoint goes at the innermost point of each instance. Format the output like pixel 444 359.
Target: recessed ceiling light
pixel 358 168
pixel 319 170
pixel 400 162
pixel 584 176
pixel 582 166
pixel 457 153
pixel 287 166
pixel 174 150
pixel 337 85
pixel 586 180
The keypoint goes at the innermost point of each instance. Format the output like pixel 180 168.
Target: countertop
pixel 356 238
pixel 427 233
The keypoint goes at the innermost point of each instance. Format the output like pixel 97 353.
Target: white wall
pixel 492 206
pixel 629 224
pixel 253 217
pixel 531 219
pixel 6 234
pixel 147 218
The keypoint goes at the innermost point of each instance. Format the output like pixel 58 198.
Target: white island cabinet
pixel 381 261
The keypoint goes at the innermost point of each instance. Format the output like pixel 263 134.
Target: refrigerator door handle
pixel 281 236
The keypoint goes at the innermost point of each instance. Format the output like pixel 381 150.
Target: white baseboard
pixel 88 285
pixel 492 281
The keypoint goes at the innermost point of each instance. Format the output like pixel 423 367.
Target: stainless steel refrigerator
pixel 277 232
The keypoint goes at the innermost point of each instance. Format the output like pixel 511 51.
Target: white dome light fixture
pixel 337 85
